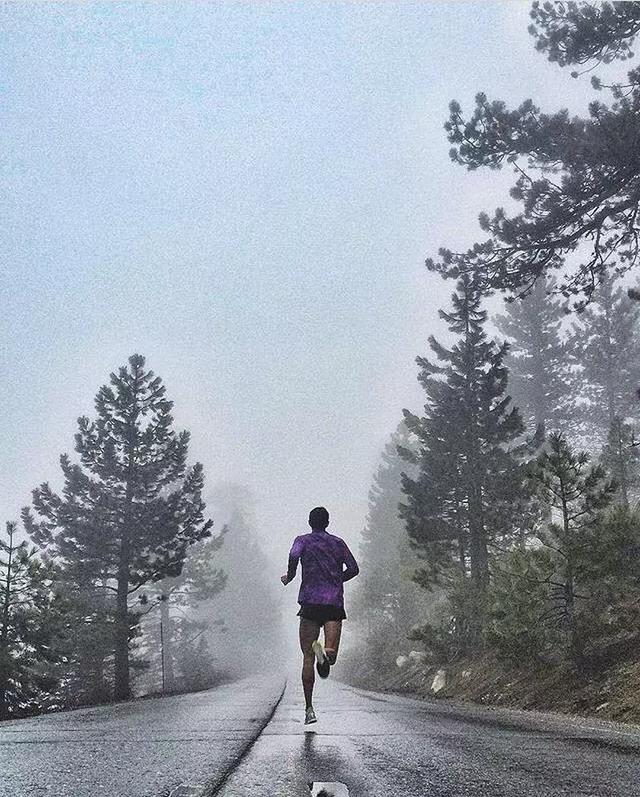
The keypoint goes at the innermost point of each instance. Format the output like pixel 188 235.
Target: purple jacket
pixel 323 558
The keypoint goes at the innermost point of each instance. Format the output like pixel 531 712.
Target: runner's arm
pixel 351 566
pixel 294 558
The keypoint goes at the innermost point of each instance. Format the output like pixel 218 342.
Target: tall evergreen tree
pixel 386 601
pixel 468 475
pixel 31 626
pixel 606 345
pixel 578 492
pixel 131 508
pixel 539 381
pixel 249 606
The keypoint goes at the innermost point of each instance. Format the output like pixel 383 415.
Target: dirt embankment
pixel 614 695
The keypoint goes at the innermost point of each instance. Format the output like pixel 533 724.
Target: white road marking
pixel 333 789
pixel 187 790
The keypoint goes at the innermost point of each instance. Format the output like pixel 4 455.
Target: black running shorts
pixel 321 612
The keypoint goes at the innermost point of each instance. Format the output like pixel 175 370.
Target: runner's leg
pixel 309 632
pixel 332 631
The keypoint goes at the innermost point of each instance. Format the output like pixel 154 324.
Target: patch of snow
pixel 417 656
pixel 439 681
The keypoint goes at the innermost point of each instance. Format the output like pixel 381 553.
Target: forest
pixel 504 520
pixel 509 505
pixel 117 584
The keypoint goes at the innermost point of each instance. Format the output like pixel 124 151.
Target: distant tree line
pixel 517 488
pixel 111 578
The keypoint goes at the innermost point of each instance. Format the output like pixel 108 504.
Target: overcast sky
pixel 245 194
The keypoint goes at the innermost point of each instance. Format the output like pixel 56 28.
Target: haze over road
pixel 195 745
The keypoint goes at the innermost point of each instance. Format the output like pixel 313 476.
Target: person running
pixel 327 563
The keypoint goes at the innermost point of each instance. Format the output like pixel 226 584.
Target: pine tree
pixel 386 601
pixel 31 626
pixel 606 345
pixel 609 617
pixel 178 599
pixel 88 644
pixel 84 557
pixel 196 661
pixel 131 508
pixel 250 605
pixel 539 382
pixel 621 458
pixel 521 624
pixel 576 33
pixel 577 178
pixel 461 500
pixel 578 492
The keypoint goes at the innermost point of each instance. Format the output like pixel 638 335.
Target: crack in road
pixel 214 787
pixel 245 752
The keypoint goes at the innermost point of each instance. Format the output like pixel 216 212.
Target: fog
pixel 225 227
pixel 245 195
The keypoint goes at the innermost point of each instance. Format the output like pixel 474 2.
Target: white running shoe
pixel 309 716
pixel 322 662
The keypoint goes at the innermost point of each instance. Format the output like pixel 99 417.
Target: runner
pixel 327 563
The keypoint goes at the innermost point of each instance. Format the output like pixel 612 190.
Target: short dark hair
pixel 319 518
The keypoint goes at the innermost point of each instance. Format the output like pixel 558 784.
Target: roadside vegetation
pixel 501 551
pixel 112 586
pixel 518 498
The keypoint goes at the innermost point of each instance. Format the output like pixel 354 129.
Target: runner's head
pixel 319 518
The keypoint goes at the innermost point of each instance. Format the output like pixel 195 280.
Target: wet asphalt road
pixel 398 747
pixel 190 746
pixel 145 748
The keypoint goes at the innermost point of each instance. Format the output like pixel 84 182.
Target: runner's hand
pixel 284 579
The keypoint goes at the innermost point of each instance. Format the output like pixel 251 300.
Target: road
pixel 211 744
pixel 145 747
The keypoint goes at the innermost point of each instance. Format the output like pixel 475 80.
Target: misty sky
pixel 245 194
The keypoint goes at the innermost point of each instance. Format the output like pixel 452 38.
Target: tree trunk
pixel 166 653
pixel 575 643
pixel 4 633
pixel 479 557
pixel 478 553
pixel 478 541
pixel 462 555
pixel 122 687
pixel 622 469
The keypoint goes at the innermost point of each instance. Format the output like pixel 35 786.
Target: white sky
pixel 245 194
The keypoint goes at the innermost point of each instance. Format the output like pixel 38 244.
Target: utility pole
pixel 162 598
